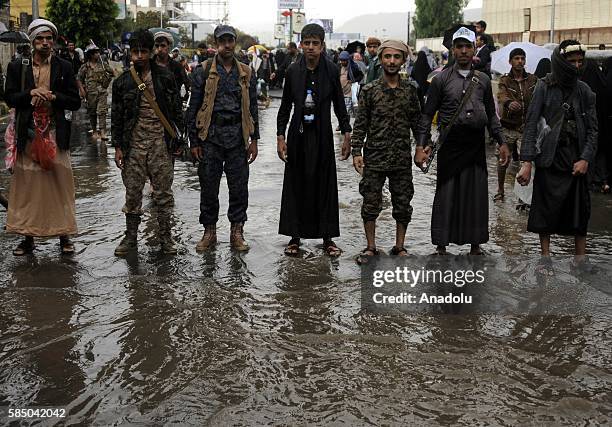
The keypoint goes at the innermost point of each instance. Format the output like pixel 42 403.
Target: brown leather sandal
pixel 66 245
pixel 399 251
pixel 25 247
pixel 366 254
pixel 293 247
pixel 331 249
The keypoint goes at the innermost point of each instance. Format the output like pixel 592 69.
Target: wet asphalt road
pixel 229 339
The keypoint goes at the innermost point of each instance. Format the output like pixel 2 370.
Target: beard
pixel 392 72
pixel 139 66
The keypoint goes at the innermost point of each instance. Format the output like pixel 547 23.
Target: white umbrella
pixel 500 58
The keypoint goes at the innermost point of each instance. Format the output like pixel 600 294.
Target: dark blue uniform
pixel 224 149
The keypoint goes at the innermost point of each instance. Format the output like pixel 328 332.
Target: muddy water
pixel 262 339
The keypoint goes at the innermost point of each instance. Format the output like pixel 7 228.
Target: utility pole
pixel 290 25
pixel 408 30
pixel 35 14
pixel 552 22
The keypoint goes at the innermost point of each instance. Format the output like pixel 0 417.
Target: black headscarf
pixel 596 80
pixel 562 72
pixel 421 69
pixel 592 75
pixel 607 70
pixel 543 68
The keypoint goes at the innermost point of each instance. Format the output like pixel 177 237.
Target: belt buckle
pixel 142 87
pixel 566 106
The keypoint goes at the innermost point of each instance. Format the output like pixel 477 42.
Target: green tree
pixel 435 16
pixel 150 20
pixel 81 20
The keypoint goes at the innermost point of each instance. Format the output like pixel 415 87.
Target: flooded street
pixel 230 339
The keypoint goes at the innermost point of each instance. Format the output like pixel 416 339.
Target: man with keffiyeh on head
pixel 41 200
pixel 561 202
pixel 388 109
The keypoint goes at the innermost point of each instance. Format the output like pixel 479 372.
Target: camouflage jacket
pixel 382 126
pixel 125 109
pixel 95 78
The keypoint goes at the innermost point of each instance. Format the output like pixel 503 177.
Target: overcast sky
pixel 260 15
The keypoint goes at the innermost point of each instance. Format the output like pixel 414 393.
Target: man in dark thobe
pixel 561 203
pixel 309 207
pixel 461 207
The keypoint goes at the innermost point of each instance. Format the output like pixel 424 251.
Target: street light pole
pixel 408 30
pixel 552 22
pixel 35 14
pixel 290 25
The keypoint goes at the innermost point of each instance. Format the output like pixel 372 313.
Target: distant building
pixel 589 21
pixel 21 12
pixel 201 30
pixel 172 8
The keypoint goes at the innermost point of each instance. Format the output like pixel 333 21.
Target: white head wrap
pixel 40 26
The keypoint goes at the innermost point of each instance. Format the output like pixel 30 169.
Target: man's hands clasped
pixel 41 95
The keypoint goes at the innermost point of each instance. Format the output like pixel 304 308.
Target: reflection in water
pixel 259 338
pixel 41 364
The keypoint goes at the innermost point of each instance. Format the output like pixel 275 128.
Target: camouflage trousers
pixel 400 187
pixel 148 158
pixel 97 108
pixel 514 139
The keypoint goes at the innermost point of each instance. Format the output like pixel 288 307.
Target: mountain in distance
pixel 390 25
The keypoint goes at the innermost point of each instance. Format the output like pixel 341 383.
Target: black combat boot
pixel 168 245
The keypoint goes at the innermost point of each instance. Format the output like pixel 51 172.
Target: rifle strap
pixel 147 93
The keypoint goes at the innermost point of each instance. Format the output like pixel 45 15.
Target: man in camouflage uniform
pixel 513 97
pixel 94 77
pixel 143 147
pixel 388 108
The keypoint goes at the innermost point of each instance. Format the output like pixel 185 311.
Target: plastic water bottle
pixel 309 107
